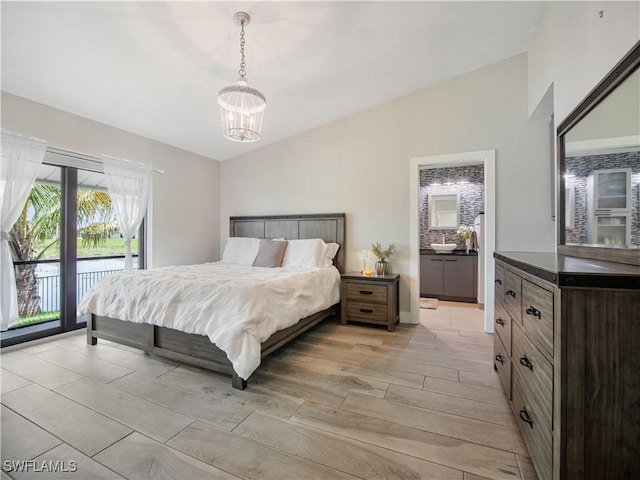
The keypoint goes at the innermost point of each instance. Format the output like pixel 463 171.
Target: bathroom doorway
pixel 487 160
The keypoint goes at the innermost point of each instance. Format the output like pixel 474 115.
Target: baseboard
pixel 405 317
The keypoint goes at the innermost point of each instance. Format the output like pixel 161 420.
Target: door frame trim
pixel 486 158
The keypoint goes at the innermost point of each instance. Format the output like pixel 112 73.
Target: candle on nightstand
pixel 367 271
pixel 364 255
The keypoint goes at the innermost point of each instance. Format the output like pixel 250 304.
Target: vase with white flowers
pixel 382 254
pixel 465 232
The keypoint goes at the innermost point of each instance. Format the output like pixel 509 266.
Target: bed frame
pixel 198 350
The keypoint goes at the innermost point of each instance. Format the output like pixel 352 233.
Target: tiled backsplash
pixel 471 199
pixel 581 168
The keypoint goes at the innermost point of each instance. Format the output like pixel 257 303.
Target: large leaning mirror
pixel 599 169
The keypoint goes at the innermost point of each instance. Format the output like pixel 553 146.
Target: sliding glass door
pixel 35 247
pixel 66 239
pixel 100 245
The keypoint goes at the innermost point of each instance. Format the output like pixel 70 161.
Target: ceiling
pixel 155 68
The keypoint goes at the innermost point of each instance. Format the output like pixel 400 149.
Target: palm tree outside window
pixel 59 246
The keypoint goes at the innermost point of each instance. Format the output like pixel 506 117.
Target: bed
pixel 197 349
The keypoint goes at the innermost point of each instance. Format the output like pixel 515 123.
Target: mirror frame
pixel 432 209
pixel 628 65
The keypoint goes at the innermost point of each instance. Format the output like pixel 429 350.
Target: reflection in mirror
pixel 602 172
pixel 443 211
pixel 569 195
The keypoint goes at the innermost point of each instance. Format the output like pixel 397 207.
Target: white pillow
pixel 304 253
pixel 240 250
pixel 329 254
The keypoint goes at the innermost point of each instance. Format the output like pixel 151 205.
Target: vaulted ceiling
pixel 155 68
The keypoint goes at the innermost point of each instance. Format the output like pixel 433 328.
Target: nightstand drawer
pixel 365 292
pixel 370 299
pixel 368 312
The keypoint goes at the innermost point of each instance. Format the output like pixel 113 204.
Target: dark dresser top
pixel 462 252
pixel 566 271
pixel 391 277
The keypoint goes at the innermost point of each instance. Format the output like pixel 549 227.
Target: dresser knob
pixel 500 321
pixel 524 416
pixel 511 293
pixel 498 281
pixel 534 312
pixel 525 362
pixel 500 359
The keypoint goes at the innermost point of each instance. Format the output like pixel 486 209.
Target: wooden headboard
pixel 327 226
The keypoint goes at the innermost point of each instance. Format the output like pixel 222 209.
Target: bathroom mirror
pixel 599 169
pixel 444 211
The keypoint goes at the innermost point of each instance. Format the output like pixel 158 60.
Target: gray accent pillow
pixel 270 253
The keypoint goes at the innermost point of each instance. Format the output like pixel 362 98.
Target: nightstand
pixel 370 299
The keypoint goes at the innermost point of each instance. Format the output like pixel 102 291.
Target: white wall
pixel 185 205
pixel 573 49
pixel 360 164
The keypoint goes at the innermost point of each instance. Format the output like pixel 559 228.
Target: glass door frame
pixel 69 320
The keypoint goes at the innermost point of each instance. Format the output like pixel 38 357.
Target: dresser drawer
pixel 535 428
pixel 367 312
pixel 502 325
pixel 500 281
pixel 513 295
pixel 366 292
pixel 535 371
pixel 537 315
pixel 502 363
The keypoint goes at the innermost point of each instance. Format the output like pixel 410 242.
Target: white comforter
pixel 236 306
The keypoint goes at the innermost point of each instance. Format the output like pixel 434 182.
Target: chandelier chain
pixel 243 64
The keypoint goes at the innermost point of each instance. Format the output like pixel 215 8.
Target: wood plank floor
pixel 339 402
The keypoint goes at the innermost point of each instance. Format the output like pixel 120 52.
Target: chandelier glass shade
pixel 241 106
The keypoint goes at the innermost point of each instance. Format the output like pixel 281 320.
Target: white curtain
pixel 129 185
pixel 21 159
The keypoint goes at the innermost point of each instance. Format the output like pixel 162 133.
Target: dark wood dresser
pixel 370 299
pixel 567 350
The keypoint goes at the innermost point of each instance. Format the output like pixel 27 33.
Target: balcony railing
pixel 49 286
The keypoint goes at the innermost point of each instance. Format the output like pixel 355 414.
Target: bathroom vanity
pixel 449 276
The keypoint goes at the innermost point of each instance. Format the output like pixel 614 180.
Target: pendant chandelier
pixel 241 106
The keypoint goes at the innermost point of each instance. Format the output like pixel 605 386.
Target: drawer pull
pixel 525 362
pixel 511 293
pixel 500 359
pixel 366 310
pixel 498 281
pixel 500 321
pixel 524 416
pixel 366 292
pixel 534 312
